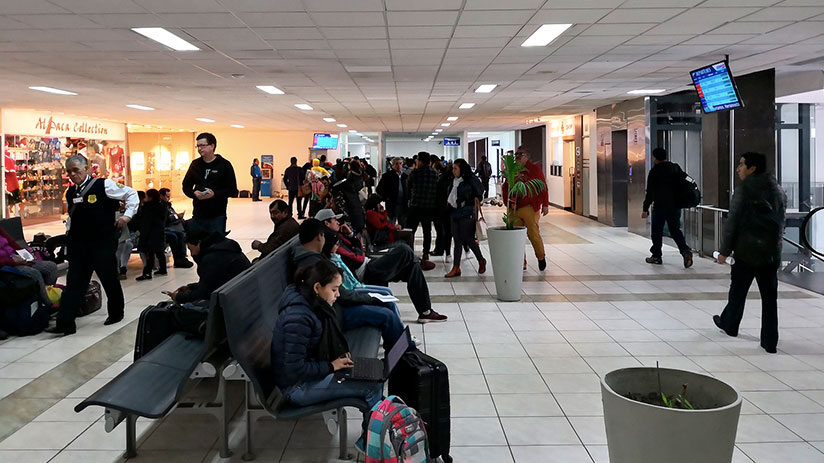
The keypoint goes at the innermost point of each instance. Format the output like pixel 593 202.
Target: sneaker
pixel 144 277
pixel 654 260
pixel 542 264
pixel 687 259
pixel 427 265
pixel 331 419
pixel 432 316
pixel 185 263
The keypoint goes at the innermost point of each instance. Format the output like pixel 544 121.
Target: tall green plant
pixel 514 173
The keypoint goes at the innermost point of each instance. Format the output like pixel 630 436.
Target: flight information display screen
pixel 716 88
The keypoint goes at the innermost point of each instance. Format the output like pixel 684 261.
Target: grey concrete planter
pixel 643 433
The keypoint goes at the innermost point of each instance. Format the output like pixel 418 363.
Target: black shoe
pixel 185 263
pixel 687 259
pixel 770 350
pixel 654 260
pixel 717 320
pixel 112 320
pixel 3 335
pixel 144 277
pixel 163 273
pixel 437 253
pixel 542 264
pixel 61 330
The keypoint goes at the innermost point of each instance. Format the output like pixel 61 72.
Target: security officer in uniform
pixel 91 237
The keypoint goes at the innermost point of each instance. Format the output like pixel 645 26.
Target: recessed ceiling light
pixel 353 131
pixel 434 133
pixel 329 119
pixel 303 106
pixel 452 118
pixel 342 125
pixel 474 133
pixel 238 126
pixel 466 106
pixel 646 91
pixel 159 34
pixel 439 130
pixel 140 107
pixel 204 119
pixel 486 88
pixel 270 89
pixel 545 35
pixel 445 124
pixel 56 91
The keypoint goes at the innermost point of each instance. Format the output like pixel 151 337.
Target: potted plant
pixel 506 244
pixel 665 415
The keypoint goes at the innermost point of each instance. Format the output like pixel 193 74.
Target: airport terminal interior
pixel 587 88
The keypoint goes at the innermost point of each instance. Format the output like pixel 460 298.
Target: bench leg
pixel 223 420
pixel 249 454
pixel 131 436
pixel 343 434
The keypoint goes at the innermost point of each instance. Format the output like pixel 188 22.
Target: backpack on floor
pixel 396 434
pixel 92 300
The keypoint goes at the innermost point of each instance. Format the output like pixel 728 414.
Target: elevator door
pixel 620 177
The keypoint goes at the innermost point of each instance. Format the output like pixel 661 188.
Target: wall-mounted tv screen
pixel 451 141
pixel 325 141
pixel 716 87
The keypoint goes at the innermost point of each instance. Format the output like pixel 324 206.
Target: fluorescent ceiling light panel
pixel 140 107
pixel 56 91
pixel 452 118
pixel 342 125
pixel 466 105
pixel 204 119
pixel 474 133
pixel 159 34
pixel 486 88
pixel 445 124
pixel 646 91
pixel 545 35
pixel 303 106
pixel 353 131
pixel 434 133
pixel 238 126
pixel 439 130
pixel 329 119
pixel 270 89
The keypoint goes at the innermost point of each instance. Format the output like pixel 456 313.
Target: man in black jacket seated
pixel 218 259
pixel 662 183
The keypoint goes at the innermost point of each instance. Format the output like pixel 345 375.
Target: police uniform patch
pixel 92 199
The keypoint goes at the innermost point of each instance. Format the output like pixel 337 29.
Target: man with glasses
pixel 528 208
pixel 210 182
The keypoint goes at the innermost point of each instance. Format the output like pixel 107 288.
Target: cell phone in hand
pixel 168 293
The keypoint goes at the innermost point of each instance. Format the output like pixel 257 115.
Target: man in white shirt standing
pixel 91 236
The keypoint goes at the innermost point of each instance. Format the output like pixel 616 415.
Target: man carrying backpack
pixel 662 190
pixel 753 232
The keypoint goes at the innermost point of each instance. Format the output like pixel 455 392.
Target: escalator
pixel 804 257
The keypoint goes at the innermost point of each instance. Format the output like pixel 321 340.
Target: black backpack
pixel 687 194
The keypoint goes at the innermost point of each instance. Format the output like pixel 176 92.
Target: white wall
pixel 409 148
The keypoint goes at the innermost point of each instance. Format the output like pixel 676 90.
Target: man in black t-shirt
pixel 210 182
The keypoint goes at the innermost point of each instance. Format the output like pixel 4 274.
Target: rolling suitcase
pixel 156 323
pixel 21 311
pixel 423 383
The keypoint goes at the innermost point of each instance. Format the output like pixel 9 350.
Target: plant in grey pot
pixel 657 415
pixel 506 244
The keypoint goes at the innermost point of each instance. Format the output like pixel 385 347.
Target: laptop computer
pixel 372 369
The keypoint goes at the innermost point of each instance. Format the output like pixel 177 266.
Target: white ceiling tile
pixel 485 17
pixel 749 27
pixel 200 20
pixel 555 15
pixel 360 44
pixel 660 3
pixel 789 34
pixel 257 6
pixel 659 39
pixel 486 31
pixel 700 20
pixel 289 33
pixel 415 57
pixel 423 5
pixel 409 18
pixel 354 32
pixel 728 3
pixel 496 42
pixel 291 19
pixel 97 6
pixel 348 19
pixel 30 7
pixel 641 15
pixel 348 5
pixel 299 44
pixel 181 6
pixel 498 5
pixel 399 44
pixel 412 32
pixel 719 39
pixel 617 29
pixel 356 54
pixel 784 14
pixel 66 20
pixel 127 20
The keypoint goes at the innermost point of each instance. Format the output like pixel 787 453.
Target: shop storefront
pixel 35 147
pixel 160 159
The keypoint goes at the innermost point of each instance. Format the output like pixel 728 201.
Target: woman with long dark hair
pixel 308 345
pixel 464 199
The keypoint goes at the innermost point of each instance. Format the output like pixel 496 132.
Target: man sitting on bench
pixel 399 264
pixel 218 259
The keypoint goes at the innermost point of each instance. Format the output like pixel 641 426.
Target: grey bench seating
pixel 160 381
pixel 250 304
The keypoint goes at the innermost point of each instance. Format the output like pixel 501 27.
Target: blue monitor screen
pixel 716 88
pixel 325 141
pixel 451 141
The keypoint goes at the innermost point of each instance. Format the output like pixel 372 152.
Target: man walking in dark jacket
pixel 218 259
pixel 662 183
pixel 753 233
pixel 293 178
pixel 393 189
pixel 210 182
pixel 256 174
pixel 423 203
pixel 484 172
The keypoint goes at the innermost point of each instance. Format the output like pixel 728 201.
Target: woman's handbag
pixel 480 227
pixel 305 190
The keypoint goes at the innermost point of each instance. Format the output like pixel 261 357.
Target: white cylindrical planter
pixel 506 248
pixel 643 433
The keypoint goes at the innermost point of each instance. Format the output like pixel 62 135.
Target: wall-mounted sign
pixel 496 142
pixel 451 141
pixel 47 124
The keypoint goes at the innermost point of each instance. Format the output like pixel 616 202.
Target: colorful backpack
pixel 396 434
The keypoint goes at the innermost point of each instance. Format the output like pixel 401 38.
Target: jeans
pixel 177 242
pixel 44 273
pixel 463 232
pixel 150 262
pixel 377 316
pixel 423 217
pixel 256 189
pixel 672 217
pixel 382 290
pixel 124 252
pixel 485 186
pixel 328 388
pixel 212 224
pixel 443 229
pixel 741 278
pixel 293 195
pixel 400 264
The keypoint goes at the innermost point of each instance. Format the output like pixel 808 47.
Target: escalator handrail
pixel 803 234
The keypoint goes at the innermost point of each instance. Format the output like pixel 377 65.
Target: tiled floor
pixel 524 376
